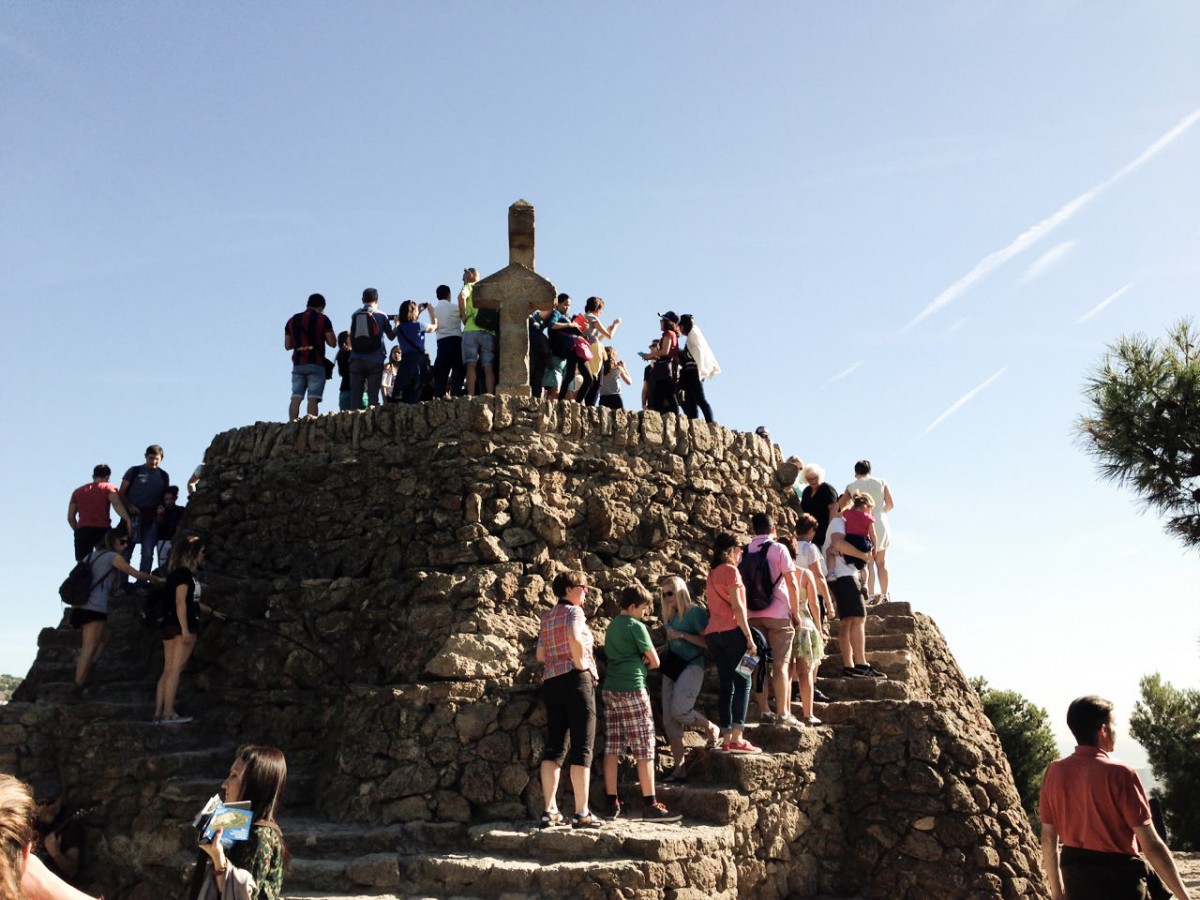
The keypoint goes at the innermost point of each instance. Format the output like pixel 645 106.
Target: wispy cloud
pixel 958 324
pixel 960 403
pixel 1047 259
pixel 1046 226
pixel 1107 301
pixel 842 374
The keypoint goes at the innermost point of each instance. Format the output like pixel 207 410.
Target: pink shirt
pixel 858 522
pixel 1094 802
pixel 719 591
pixel 779 561
pixel 91 502
pixel 554 637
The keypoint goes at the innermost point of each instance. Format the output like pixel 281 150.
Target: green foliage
pixel 1166 721
pixel 1144 424
pixel 8 684
pixel 1028 742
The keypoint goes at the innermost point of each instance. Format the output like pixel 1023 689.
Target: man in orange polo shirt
pixel 1096 807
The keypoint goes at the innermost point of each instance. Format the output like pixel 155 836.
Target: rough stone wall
pixel 410 550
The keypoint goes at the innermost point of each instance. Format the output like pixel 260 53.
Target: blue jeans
pixel 727 648
pixel 310 378
pixel 145 533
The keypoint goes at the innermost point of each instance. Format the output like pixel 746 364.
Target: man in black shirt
pixel 58 834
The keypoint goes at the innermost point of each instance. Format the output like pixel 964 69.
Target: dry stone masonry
pixel 385 571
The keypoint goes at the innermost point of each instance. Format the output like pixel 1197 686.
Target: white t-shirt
pixel 834 561
pixel 449 319
pixel 874 487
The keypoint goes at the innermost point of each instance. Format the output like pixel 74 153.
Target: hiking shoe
pixel 820 696
pixel 613 810
pixel 811 720
pixel 656 812
pixel 868 671
pixel 591 820
pixel 552 819
pixel 853 672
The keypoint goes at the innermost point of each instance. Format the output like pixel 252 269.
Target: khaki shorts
pixel 779 634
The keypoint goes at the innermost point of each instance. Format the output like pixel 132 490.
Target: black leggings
pixel 570 701
pixel 575 364
pixel 693 393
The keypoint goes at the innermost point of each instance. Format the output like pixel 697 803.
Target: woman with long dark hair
pixel 664 356
pixel 612 373
pixel 182 625
pixel 729 638
pixel 252 869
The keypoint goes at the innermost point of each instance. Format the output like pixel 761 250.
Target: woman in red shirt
pixel 729 638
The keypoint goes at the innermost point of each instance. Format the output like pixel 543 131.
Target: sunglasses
pixel 668 593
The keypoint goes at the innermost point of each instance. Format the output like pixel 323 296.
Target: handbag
pixel 582 348
pixel 671 665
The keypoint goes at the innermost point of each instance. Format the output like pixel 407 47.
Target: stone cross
pixel 516 290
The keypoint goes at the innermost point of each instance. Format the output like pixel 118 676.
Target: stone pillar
pixel 513 380
pixel 520 234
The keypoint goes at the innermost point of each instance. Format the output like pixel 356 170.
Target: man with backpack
pixel 367 354
pixel 773 604
pixel 306 334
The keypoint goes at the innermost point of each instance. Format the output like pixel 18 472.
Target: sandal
pixel 588 821
pixel 552 818
pixel 714 736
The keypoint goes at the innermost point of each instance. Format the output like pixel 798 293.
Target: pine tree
pixel 1166 721
pixel 1144 424
pixel 1028 742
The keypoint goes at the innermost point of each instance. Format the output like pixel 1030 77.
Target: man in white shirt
pixel 448 369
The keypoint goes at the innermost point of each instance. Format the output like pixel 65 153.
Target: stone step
pixel 875 642
pixel 627 836
pixel 315 838
pixel 893 663
pixel 842 689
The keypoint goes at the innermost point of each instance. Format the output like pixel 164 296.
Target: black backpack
pixel 756 574
pixel 78 585
pixel 487 319
pixel 365 335
pixel 158 607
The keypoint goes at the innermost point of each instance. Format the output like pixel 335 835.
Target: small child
pixel 168 520
pixel 628 718
pixel 860 526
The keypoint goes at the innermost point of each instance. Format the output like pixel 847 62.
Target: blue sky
pixel 879 214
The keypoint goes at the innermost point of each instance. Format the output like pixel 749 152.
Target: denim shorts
pixel 479 346
pixel 310 377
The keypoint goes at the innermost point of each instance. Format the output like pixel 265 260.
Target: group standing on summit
pixel 571 356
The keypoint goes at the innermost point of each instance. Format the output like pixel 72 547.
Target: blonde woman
pixel 22 874
pixel 683 670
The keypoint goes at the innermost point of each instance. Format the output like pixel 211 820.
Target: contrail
pixel 1032 235
pixel 960 403
pixel 1047 259
pixel 840 375
pixel 1111 298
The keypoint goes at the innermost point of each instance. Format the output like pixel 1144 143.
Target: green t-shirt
pixel 691 622
pixel 624 643
pixel 469 318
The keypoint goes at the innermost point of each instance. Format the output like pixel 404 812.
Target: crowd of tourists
pixel 571 355
pixel 764 620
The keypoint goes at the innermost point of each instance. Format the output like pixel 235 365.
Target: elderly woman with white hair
pixel 682 668
pixel 818 498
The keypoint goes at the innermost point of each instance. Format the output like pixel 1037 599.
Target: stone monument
pixel 516 290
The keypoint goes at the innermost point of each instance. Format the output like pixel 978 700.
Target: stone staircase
pixel 766 826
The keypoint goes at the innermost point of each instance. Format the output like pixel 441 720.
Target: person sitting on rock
pixel 58 832
pixel 628 717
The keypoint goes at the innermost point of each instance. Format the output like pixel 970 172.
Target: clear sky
pixel 908 232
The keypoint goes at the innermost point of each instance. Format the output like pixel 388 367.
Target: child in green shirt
pixel 628 719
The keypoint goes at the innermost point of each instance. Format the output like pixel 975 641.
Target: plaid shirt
pixel 554 638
